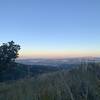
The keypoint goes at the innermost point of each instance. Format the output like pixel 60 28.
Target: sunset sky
pixel 52 28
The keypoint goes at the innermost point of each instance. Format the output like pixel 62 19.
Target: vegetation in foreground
pixel 81 83
pixel 78 83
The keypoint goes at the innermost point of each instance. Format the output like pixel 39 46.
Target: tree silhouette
pixel 8 53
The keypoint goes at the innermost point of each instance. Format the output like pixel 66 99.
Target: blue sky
pixel 52 28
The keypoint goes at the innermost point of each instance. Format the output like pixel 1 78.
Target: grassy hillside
pixel 81 83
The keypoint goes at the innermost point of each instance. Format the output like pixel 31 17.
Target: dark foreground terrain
pixel 79 83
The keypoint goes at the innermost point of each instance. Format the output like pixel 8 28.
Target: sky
pixel 52 28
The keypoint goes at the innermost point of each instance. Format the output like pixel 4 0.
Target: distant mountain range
pixel 58 62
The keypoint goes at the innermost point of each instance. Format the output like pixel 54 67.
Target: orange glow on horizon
pixel 53 54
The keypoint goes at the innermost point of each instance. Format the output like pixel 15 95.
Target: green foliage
pixel 79 83
pixel 8 54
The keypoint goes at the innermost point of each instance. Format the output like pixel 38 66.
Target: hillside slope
pixel 19 71
pixel 81 83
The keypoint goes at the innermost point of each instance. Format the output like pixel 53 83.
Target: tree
pixel 8 53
